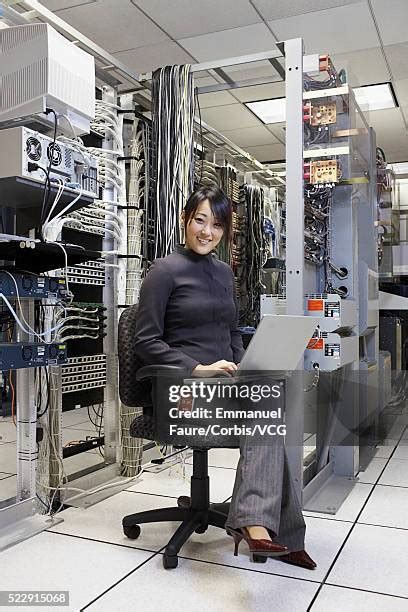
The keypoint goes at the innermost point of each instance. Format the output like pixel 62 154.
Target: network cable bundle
pixel 229 185
pixel 206 173
pixel 136 214
pixel 173 118
pixel 252 255
pixel 274 266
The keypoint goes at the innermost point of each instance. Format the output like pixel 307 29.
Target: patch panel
pixel 85 275
pixel 87 359
pixel 84 368
pixel 75 378
pixel 85 372
pixel 83 386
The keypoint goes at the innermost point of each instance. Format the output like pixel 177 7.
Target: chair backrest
pixel 132 392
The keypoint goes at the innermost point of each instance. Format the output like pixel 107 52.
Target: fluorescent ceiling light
pixel 375 97
pixel 269 111
pixel 399 167
pixel 369 98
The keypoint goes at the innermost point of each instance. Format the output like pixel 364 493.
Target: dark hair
pixel 220 205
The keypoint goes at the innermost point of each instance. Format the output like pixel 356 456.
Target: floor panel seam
pixel 382 526
pixel 323 582
pixel 72 535
pixel 118 582
pixel 350 588
pixel 248 569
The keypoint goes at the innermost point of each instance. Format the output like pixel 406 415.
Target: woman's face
pixel 203 232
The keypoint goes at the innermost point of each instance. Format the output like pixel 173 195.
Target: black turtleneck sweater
pixel 187 312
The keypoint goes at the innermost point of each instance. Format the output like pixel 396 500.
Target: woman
pixel 188 317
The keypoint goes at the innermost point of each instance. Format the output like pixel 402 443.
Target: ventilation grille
pixel 68 158
pixel 33 148
pixel 23 85
pixel 56 154
pixel 18 35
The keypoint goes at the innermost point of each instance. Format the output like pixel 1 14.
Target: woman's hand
pixel 228 367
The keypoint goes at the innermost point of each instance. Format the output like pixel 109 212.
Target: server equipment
pixel 17 355
pixel 31 286
pixel 25 156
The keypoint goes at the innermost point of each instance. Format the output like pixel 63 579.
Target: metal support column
pixel 110 300
pixel 26 419
pixel 293 50
pixel 294 177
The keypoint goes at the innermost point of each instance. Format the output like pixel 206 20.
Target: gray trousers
pixel 264 493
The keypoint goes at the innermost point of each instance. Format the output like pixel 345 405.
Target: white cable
pixel 66 264
pixel 70 124
pixel 30 330
pixel 57 198
pixel 74 201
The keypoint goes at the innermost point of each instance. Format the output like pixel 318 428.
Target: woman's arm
pixel 236 337
pixel 154 295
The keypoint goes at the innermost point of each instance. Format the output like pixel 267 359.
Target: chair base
pixel 195 513
pixel 192 520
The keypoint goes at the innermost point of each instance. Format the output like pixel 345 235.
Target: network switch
pixel 18 355
pixel 31 286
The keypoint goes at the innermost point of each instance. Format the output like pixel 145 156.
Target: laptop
pixel 278 343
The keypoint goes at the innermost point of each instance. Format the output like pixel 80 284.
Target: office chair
pixel 136 389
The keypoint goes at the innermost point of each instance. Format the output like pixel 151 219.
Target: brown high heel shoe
pixel 261 547
pixel 300 558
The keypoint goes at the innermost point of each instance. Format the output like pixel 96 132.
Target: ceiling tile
pixel 230 43
pixel 336 30
pixel 397 57
pixel 363 67
pixel 267 153
pixel 260 92
pixel 278 130
pixel 401 90
pixel 384 119
pixel 145 59
pixel 276 9
pixel 392 19
pixel 250 137
pixel 57 5
pixel 185 18
pixel 389 128
pixel 397 155
pixel 203 81
pixel 231 117
pixel 113 29
pixel 219 98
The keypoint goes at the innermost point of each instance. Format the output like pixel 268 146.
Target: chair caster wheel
pixel 201 529
pixel 259 559
pixel 183 501
pixel 132 531
pixel 170 562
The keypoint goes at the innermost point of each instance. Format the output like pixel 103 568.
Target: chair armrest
pixel 153 370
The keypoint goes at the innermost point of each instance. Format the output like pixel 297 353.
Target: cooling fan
pixel 33 148
pixel 55 151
